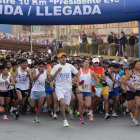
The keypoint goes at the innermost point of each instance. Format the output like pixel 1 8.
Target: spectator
pixel 93 36
pixel 123 40
pixel 80 41
pixel 132 41
pixel 57 46
pixel 60 44
pixel 110 38
pixel 84 37
pixel 84 40
pixel 100 40
pixel 116 41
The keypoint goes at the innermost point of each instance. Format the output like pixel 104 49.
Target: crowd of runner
pixel 75 85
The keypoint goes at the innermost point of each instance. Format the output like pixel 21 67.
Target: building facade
pixel 69 34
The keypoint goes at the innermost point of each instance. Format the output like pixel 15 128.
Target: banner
pixel 68 12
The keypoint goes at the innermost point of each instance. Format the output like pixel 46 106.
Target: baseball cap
pixel 106 61
pixel 95 60
pixel 61 54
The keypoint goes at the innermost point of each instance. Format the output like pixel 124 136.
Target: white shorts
pixel 64 93
pixel 98 92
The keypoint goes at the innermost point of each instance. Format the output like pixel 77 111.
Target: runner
pixel 105 89
pixel 51 91
pixel 85 87
pixel 114 95
pixel 38 89
pixel 12 89
pixel 5 81
pixel 62 73
pixel 132 80
pixel 99 71
pixel 22 77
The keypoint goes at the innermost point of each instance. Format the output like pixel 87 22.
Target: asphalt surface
pixel 49 129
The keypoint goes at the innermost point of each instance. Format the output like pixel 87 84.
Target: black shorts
pixel 137 93
pixel 24 93
pixel 124 95
pixel 130 95
pixel 5 94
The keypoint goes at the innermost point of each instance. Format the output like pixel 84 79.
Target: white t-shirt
pixel 39 84
pixel 64 78
pixel 116 77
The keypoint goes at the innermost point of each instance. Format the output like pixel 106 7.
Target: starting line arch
pixel 69 12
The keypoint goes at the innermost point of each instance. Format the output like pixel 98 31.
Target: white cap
pixel 125 60
pixel 121 63
pixel 29 61
pixel 114 62
pixel 95 60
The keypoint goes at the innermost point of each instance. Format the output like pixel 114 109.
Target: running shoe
pixel 77 114
pixel 12 108
pixel 71 114
pixel 17 115
pixel 66 123
pixel 135 122
pixel 13 112
pixel 89 113
pixel 5 117
pixel 91 118
pixel 51 112
pixel 2 109
pixel 44 109
pixel 124 113
pixel 82 121
pixel 131 115
pixel 36 120
pixel 107 116
pixel 114 114
pixel 54 116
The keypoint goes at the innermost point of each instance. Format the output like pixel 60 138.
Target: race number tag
pixel 23 79
pixel 85 88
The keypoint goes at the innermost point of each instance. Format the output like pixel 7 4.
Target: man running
pixel 62 73
pixel 38 90
pixel 22 77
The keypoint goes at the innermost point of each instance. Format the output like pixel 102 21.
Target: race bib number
pixel 64 76
pixel 136 85
pixel 3 84
pixel 84 88
pixel 23 79
pixel 40 84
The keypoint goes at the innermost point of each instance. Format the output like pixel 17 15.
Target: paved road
pixel 49 129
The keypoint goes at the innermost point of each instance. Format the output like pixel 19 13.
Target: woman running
pixel 85 86
pixel 5 81
pixel 132 80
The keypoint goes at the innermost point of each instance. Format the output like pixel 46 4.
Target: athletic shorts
pixel 23 92
pixel 35 95
pixel 48 90
pixel 98 92
pixel 137 93
pixel 5 94
pixel 86 94
pixel 114 93
pixel 130 96
pixel 64 93
pixel 105 90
